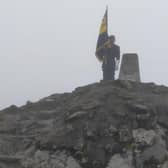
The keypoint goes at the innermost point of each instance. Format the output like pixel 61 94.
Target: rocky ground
pixel 119 124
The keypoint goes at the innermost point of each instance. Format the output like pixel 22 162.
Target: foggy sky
pixel 47 46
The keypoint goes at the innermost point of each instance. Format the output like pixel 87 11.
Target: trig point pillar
pixel 129 69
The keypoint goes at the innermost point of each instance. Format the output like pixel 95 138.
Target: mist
pixel 48 47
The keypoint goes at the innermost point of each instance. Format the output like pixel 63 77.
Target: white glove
pixel 116 65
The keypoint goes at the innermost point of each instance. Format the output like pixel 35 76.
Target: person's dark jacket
pixel 110 54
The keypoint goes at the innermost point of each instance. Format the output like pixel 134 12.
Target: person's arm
pixel 118 53
pixel 117 58
pixel 100 52
pixel 103 46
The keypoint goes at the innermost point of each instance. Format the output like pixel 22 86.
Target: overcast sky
pixel 47 46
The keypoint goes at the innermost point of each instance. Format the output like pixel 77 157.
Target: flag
pixel 103 37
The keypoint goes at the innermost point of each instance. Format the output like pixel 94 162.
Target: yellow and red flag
pixel 103 37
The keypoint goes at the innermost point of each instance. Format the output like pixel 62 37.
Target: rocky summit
pixel 113 124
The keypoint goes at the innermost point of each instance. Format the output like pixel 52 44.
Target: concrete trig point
pixel 129 69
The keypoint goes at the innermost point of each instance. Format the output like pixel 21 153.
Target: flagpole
pixel 107 18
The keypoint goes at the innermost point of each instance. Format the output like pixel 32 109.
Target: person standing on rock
pixel 107 51
pixel 111 59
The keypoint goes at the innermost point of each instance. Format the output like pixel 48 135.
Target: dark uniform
pixel 111 54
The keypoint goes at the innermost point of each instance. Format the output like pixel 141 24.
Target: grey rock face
pixel 117 161
pixel 156 152
pixel 165 165
pixel 110 124
pixel 144 136
pixel 43 159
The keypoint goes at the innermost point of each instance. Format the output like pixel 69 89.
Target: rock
pixel 165 165
pixel 71 163
pixel 112 129
pixel 115 123
pixel 145 116
pixel 163 115
pixel 156 152
pixel 144 136
pixel 42 159
pixel 117 161
pixel 41 156
pixel 125 135
pixel 140 107
pixel 95 153
pixel 76 115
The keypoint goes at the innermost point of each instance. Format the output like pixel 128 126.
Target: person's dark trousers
pixel 108 72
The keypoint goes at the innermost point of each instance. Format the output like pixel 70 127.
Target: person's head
pixel 112 39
